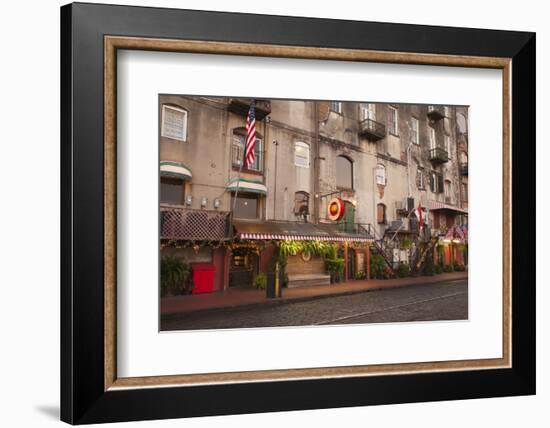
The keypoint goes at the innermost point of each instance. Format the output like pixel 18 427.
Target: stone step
pixel 307 280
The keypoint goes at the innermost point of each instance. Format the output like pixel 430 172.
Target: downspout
pixel 316 159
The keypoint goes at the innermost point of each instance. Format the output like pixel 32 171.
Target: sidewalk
pixel 234 297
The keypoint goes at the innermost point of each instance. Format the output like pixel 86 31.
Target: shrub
pixel 174 275
pixel 360 275
pixel 428 269
pixel 336 268
pixel 403 270
pixel 377 266
pixel 437 269
pixel 261 281
pixel 448 268
pixel 460 268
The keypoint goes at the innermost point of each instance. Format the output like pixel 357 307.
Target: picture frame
pixel 91 391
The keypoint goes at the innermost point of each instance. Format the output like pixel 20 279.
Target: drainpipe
pixel 409 169
pixel 316 159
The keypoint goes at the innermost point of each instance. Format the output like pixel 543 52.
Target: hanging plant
pixel 407 244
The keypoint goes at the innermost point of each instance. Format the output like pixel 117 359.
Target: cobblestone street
pixel 423 302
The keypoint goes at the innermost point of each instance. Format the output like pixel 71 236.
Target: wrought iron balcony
pixel 179 223
pixel 438 155
pixel 464 169
pixel 372 130
pixel 436 112
pixel 241 106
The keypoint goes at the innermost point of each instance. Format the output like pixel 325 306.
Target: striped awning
pixel 281 231
pixel 247 186
pixel 436 205
pixel 175 170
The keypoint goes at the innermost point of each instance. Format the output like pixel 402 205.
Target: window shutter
pixel 440 183
pixel 432 182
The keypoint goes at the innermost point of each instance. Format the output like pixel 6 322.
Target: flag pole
pixel 241 162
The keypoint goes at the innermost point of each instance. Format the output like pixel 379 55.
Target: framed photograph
pixel 266 213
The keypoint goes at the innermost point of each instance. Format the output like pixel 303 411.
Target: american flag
pixel 250 135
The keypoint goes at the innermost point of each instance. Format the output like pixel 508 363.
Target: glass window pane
pixel 246 206
pixel 171 192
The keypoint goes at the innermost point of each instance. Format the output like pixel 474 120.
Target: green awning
pixel 175 170
pixel 247 186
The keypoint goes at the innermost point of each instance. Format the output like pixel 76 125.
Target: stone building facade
pixel 390 164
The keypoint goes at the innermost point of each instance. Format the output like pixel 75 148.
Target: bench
pixel 304 280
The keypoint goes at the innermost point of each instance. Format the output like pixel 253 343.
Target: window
pixel 447 189
pixel 336 107
pixel 420 178
pixel 301 203
pixel 237 156
pixel 174 123
pixel 381 214
pixel 246 206
pixel 432 138
pixel 171 191
pixel 448 145
pixel 393 121
pixel 381 174
pixel 465 192
pixel 301 154
pixel 368 111
pixel 436 182
pixel 415 136
pixel 344 172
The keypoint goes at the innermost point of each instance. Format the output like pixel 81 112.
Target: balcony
pixel 405 226
pixel 438 155
pixel 179 223
pixel 464 169
pixel 436 113
pixel 241 106
pixel 372 130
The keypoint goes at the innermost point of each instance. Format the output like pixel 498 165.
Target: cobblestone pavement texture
pixel 425 302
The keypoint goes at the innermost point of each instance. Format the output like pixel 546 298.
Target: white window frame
pixel 336 107
pixel 448 145
pixel 420 173
pixel 239 140
pixel 415 131
pixel 396 123
pixel 381 178
pixel 179 110
pixel 368 111
pixel 433 144
pixel 305 146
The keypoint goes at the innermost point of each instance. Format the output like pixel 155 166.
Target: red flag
pixel 420 219
pixel 250 135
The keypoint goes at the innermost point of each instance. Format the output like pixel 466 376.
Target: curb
pixel 286 301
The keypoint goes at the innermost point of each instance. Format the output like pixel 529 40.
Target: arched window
pixel 381 214
pixel 174 123
pixel 237 155
pixel 381 174
pixel 301 154
pixel 344 172
pixel 301 203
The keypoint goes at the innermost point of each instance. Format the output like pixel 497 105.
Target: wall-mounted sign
pixel 336 209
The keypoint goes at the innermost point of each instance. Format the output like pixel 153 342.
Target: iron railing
pixel 438 155
pixel 372 129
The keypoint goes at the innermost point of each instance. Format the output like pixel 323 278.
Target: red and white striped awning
pixel 278 237
pixel 436 205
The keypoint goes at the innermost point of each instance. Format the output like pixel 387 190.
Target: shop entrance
pixel 244 267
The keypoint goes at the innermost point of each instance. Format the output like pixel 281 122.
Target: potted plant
pixel 174 275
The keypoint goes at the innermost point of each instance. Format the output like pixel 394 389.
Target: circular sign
pixel 336 209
